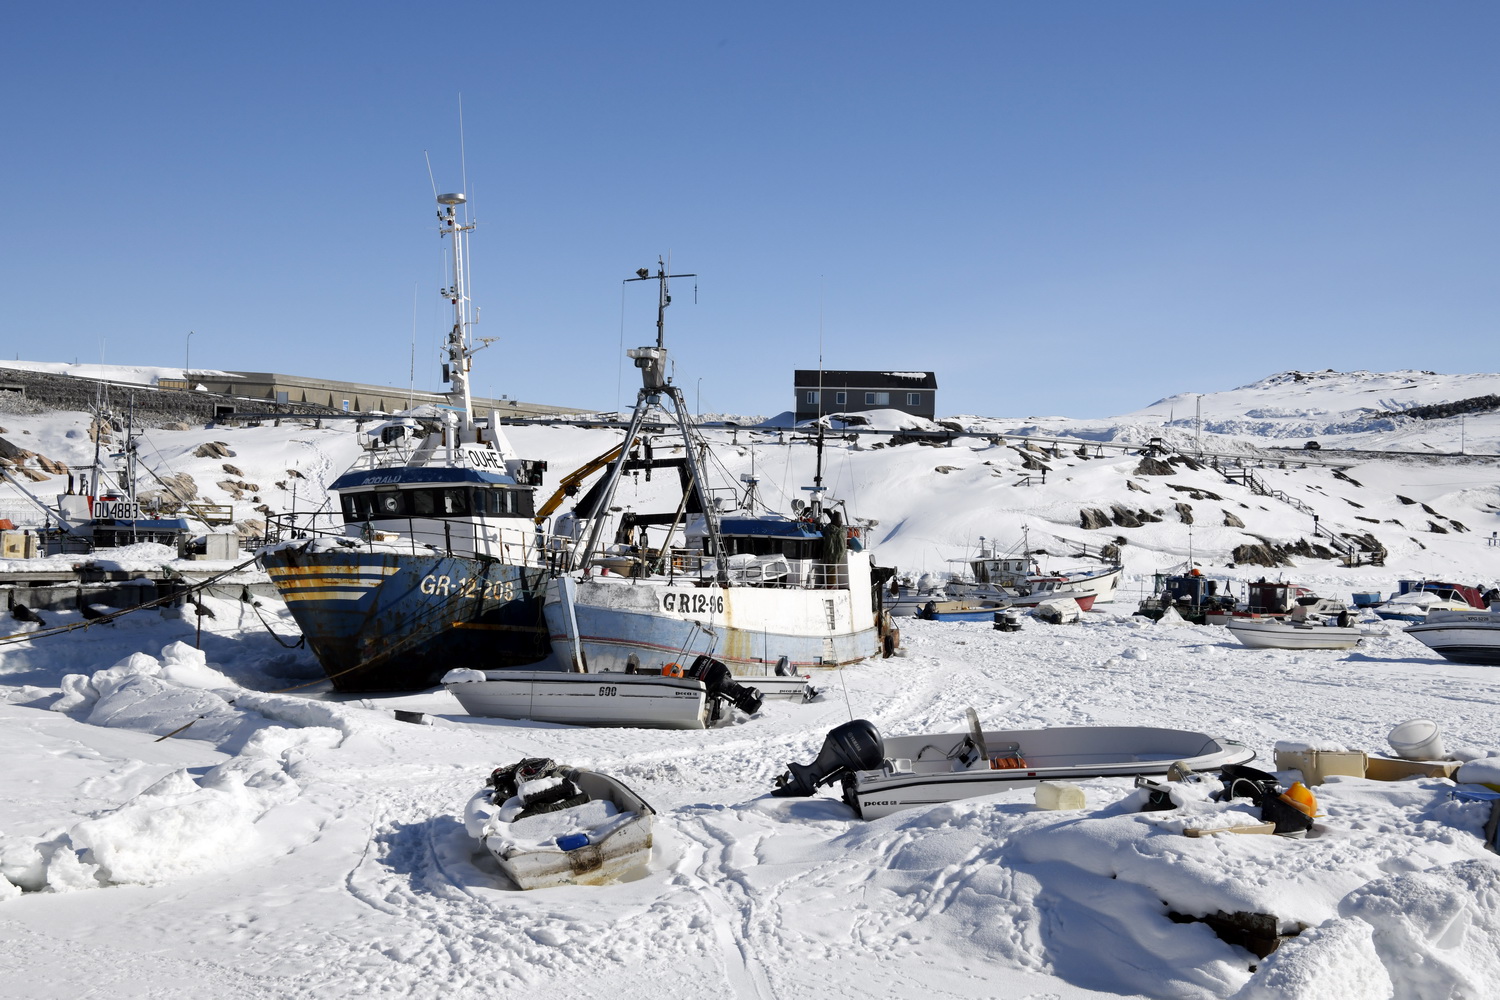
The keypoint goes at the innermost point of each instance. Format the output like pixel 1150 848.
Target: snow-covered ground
pixel 287 844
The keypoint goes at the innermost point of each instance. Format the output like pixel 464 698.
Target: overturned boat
pixel 548 825
pixel 881 776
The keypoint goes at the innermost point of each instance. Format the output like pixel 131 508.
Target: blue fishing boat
pixel 435 562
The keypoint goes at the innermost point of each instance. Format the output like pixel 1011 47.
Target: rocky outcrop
pixel 213 449
pixel 1184 512
pixel 1230 521
pixel 1153 467
pixel 1093 517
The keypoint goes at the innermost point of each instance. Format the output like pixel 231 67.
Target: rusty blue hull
pixel 391 621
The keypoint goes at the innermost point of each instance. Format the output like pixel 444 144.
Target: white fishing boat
pixel 880 777
pixel 1271 633
pixel 751 589
pixel 698 698
pixel 549 826
pixel 1418 605
pixel 1471 636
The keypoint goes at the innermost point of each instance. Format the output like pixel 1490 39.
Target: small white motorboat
pixel 696 699
pixel 1269 633
pixel 1471 636
pixel 1417 605
pixel 880 777
pixel 548 825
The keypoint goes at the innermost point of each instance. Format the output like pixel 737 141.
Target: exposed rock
pixel 1341 474
pixel 1351 503
pixel 250 528
pixel 1185 512
pixel 1153 467
pixel 1093 517
pixel 1259 554
pixel 1406 500
pixel 1111 552
pixel 176 425
pixel 1131 484
pixel 1436 529
pixel 52 466
pixel 1230 521
pixel 1195 492
pixel 295 474
pixel 1186 462
pixel 1428 510
pixel 1455 525
pixel 35 475
pixel 233 470
pixel 213 449
pixel 945 469
pixel 1124 518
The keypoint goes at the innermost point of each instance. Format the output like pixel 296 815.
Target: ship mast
pixel 459 352
pixel 655 383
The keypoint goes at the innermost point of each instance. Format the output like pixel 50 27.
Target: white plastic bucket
pixel 1059 795
pixel 1419 739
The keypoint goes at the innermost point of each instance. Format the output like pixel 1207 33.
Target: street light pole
pixel 187 355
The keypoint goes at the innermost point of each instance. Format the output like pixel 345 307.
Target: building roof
pixel 812 378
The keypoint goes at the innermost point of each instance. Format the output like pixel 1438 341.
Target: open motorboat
pixel 960 611
pixel 548 825
pixel 1418 605
pixel 1471 636
pixel 880 777
pixel 1271 633
pixel 698 698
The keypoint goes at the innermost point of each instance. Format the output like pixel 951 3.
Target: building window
pixel 346 406
pixel 840 398
pixel 877 399
pixel 913 399
pixel 812 397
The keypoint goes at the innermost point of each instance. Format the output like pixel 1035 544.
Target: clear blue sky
pixel 1070 208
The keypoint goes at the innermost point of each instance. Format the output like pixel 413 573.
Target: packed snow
pixel 187 815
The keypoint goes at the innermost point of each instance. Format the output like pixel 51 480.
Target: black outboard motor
pixel 721 684
pixel 854 746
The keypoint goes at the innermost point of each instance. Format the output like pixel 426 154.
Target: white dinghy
pixel 695 699
pixel 1267 633
pixel 880 777
pixel 548 825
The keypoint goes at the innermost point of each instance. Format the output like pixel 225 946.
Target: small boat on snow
pixel 1417 605
pixel 960 611
pixel 697 698
pixel 548 825
pixel 1471 636
pixel 880 777
pixel 1270 633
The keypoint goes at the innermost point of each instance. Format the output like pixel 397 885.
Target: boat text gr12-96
pixel 467 586
pixel 692 603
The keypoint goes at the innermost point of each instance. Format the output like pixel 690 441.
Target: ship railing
pixel 692 566
pixel 421 535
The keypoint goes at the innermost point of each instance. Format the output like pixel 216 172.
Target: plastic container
pixel 1059 795
pixel 1366 600
pixel 1418 739
pixel 573 841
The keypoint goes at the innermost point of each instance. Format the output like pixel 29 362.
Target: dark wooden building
pixel 852 392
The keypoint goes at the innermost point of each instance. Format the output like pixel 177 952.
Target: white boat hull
pixel 591 699
pixel 927 769
pixel 1461 636
pixel 1267 634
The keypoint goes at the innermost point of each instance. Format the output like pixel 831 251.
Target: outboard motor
pixel 854 746
pixel 721 684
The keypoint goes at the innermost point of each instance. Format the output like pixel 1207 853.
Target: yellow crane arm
pixel 570 483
